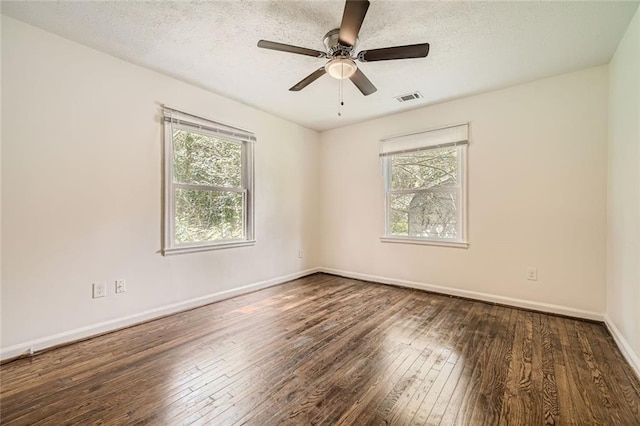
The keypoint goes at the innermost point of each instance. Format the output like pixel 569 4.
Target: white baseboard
pixel 631 357
pixel 486 297
pixel 118 323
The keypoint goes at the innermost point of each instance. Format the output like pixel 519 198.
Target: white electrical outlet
pixel 121 286
pixel 99 290
pixel 300 254
pixel 532 274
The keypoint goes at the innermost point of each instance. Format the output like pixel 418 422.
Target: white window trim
pixel 463 215
pixel 246 138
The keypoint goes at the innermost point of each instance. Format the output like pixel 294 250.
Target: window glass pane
pixel 208 215
pixel 431 168
pixel 425 214
pixel 206 160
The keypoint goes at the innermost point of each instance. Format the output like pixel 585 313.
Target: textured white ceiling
pixel 475 46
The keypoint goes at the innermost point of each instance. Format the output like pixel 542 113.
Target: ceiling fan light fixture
pixel 341 68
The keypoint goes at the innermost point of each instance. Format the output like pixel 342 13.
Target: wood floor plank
pixel 626 392
pixel 420 345
pixel 549 387
pixel 493 376
pixel 414 338
pixel 571 405
pixel 330 350
pixel 428 345
pixel 453 391
pixel 429 390
pixel 463 398
pixel 325 366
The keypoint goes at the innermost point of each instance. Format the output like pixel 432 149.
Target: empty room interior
pixel 320 212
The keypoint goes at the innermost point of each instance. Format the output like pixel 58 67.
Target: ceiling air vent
pixel 409 97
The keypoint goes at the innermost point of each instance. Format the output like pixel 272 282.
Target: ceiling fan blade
pixel 308 80
pixel 354 13
pixel 362 83
pixel 398 52
pixel 291 49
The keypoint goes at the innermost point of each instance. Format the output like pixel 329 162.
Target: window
pixel 425 187
pixel 208 193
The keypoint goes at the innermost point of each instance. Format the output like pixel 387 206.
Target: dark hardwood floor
pixel 330 350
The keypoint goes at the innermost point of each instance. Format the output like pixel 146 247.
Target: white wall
pixel 0 190
pixel 537 183
pixel 623 225
pixel 81 190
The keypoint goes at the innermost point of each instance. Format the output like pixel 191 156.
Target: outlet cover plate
pixel 99 290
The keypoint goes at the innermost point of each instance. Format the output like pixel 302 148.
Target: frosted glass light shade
pixel 341 68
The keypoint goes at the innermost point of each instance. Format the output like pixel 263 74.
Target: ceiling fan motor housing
pixel 333 46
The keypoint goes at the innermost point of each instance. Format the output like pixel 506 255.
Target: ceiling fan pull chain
pixel 342 86
pixel 340 103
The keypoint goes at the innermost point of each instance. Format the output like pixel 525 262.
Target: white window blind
pixel 446 136
pixel 204 125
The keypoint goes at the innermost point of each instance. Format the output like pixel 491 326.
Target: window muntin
pixel 425 187
pixel 208 185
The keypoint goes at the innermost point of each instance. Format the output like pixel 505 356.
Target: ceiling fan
pixel 340 44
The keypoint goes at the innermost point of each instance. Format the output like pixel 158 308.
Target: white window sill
pixel 206 247
pixel 421 241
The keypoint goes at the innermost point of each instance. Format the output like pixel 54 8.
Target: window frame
pixel 386 165
pixel 198 125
